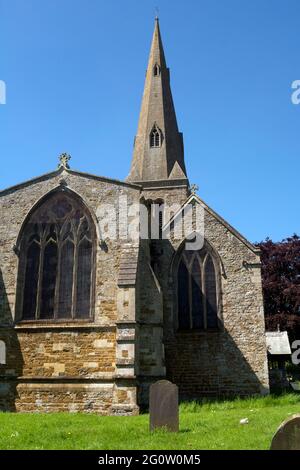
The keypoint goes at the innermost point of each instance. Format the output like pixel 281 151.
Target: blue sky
pixel 75 69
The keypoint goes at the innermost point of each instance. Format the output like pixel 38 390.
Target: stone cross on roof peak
pixel 64 159
pixel 194 188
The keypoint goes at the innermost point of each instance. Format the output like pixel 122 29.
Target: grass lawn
pixel 207 425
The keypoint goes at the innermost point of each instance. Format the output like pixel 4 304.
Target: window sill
pixel 53 321
pixel 59 324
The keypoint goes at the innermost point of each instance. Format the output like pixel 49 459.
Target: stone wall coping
pixel 61 170
pixel 238 235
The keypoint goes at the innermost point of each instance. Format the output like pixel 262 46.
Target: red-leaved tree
pixel 281 284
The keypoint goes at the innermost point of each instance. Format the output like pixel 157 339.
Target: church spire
pixel 158 149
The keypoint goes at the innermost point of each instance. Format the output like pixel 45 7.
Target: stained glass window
pixel 57 260
pixel 197 291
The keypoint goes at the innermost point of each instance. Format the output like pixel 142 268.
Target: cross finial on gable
pixel 194 188
pixel 64 159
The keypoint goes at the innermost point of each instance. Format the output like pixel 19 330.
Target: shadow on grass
pixel 194 406
pixel 256 401
pixel 164 430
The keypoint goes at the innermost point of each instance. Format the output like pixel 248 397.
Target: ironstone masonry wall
pixel 92 366
pixel 73 365
pixel 232 360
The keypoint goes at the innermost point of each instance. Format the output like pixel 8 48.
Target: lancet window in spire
pixel 156 70
pixel 155 137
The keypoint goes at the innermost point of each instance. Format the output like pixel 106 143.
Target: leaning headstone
pixel 287 436
pixel 164 406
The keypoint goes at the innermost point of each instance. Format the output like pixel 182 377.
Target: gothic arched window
pixel 156 70
pixel 56 262
pixel 155 137
pixel 197 293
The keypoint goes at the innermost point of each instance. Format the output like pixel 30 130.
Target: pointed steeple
pixel 158 149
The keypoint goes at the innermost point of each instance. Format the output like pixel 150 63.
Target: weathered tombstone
pixel 287 436
pixel 2 352
pixel 164 406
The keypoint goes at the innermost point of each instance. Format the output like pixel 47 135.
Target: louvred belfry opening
pixel 156 70
pixel 155 137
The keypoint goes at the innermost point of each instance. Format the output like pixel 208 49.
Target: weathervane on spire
pixel 64 158
pixel 156 13
pixel 194 188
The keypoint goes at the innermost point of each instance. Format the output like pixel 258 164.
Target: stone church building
pixel 88 321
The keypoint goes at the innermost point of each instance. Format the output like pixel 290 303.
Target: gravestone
pixel 2 352
pixel 164 406
pixel 287 436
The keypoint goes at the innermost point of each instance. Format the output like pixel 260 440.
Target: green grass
pixel 206 425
